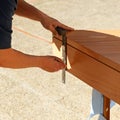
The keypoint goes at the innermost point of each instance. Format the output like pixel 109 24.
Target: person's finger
pixel 63 26
pixel 60 63
pixel 66 27
pixel 53 30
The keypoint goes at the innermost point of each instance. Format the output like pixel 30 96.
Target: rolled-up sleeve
pixel 7 8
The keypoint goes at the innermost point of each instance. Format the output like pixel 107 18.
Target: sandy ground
pixel 33 94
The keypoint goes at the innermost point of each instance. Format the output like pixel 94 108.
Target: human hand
pixel 51 23
pixel 52 64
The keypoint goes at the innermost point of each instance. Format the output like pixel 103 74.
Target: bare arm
pixel 11 58
pixel 26 10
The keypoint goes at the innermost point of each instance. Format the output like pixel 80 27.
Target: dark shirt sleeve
pixel 7 8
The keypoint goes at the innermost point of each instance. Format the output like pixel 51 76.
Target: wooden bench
pixel 94 57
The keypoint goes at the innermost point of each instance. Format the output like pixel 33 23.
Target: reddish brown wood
pixel 106 108
pixel 95 59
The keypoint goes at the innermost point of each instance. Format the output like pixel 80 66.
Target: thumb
pixel 53 30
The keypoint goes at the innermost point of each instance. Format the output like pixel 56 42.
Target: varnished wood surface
pixel 106 107
pixel 103 47
pixel 95 58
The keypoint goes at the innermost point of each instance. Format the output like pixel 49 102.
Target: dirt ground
pixel 33 94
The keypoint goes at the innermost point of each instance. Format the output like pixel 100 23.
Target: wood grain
pixel 95 59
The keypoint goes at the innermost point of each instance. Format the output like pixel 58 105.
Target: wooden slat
pixel 106 107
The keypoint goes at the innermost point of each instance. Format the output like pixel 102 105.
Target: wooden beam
pixel 106 107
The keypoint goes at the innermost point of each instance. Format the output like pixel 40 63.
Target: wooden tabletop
pixel 95 58
pixel 101 46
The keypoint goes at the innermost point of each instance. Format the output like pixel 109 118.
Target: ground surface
pixel 33 94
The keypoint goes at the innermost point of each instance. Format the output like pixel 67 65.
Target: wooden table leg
pixel 106 107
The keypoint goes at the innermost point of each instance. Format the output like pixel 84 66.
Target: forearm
pixel 26 10
pixel 11 58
